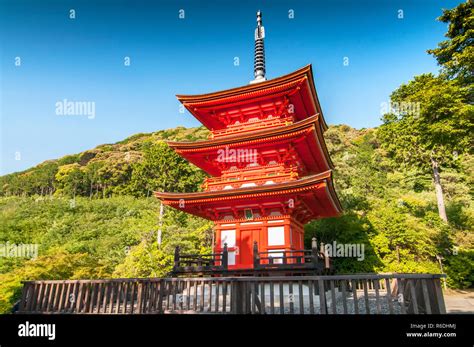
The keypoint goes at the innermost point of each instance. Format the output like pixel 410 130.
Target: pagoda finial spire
pixel 259 59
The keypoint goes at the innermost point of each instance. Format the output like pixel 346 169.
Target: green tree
pixel 456 54
pixel 161 169
pixel 92 175
pixel 70 179
pixel 432 119
pixel 115 176
pixel 437 133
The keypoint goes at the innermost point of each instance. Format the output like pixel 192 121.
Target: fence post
pixel 322 250
pixel 240 298
pixel 314 251
pixel 139 296
pixel 441 306
pixel 256 257
pixel 225 257
pixel 176 257
pixel 236 298
pixel 24 292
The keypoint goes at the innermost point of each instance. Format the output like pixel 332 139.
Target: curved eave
pixel 231 139
pixel 332 192
pixel 193 102
pixel 188 148
pixel 194 203
pixel 198 197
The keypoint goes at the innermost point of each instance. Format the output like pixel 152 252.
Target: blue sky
pixel 82 59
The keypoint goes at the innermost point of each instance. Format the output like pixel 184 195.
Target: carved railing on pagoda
pixel 311 259
pixel 292 261
pixel 273 174
pixel 256 170
pixel 200 263
pixel 266 123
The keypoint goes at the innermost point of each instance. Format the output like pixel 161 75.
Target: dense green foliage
pixel 441 128
pixel 93 216
pixel 386 177
pixel 393 211
pixel 98 238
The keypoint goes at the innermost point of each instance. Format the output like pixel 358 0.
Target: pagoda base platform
pixel 260 272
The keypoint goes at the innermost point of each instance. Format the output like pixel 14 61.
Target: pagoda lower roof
pixel 312 149
pixel 319 199
pixel 298 87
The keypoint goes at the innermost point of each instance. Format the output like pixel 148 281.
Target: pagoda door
pixel 245 244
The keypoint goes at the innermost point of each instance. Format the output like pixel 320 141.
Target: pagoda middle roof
pixel 313 150
pixel 297 86
pixel 317 188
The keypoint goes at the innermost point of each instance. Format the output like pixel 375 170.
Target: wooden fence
pixel 343 294
pixel 300 261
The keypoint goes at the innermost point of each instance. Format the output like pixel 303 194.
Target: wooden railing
pixel 306 258
pixel 252 126
pixel 380 294
pixel 269 168
pixel 200 263
pixel 309 261
pixel 259 178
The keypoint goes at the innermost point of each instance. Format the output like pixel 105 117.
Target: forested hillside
pixel 112 169
pixel 406 188
pixel 110 230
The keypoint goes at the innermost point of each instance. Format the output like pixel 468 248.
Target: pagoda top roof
pixel 298 85
pixel 322 183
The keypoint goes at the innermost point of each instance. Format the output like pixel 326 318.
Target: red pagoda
pixel 270 169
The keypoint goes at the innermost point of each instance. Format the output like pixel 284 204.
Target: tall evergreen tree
pixel 456 54
pixel 431 123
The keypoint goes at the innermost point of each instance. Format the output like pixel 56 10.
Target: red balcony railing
pixel 258 177
pixel 252 125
